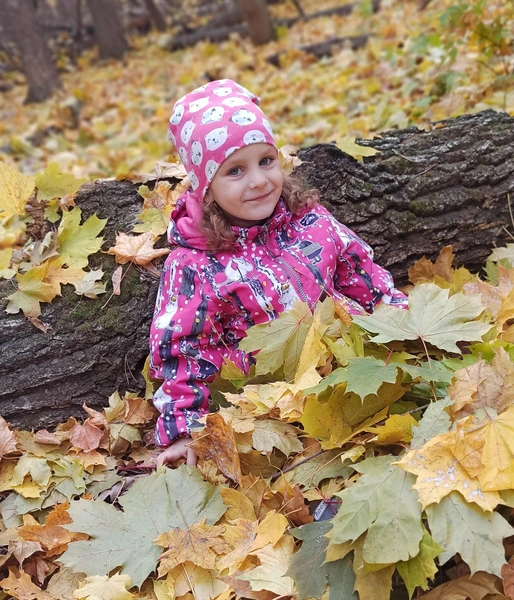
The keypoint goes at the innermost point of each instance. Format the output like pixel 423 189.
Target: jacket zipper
pixel 296 277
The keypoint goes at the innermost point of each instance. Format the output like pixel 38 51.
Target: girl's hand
pixel 178 449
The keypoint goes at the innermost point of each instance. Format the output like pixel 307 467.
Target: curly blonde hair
pixel 218 231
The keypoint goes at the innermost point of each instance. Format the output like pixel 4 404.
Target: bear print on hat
pixel 212 122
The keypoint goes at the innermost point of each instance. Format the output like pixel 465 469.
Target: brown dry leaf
pixel 38 568
pixel 52 537
pixel 293 504
pixel 96 418
pixel 22 588
pixel 138 411
pixel 508 579
pixel 216 442
pixel 87 437
pixel 63 583
pixel 7 439
pixel 51 438
pixel 138 249
pixel 260 494
pixel 483 385
pixel 23 549
pixel 476 587
pixel 200 544
pixel 491 294
pixel 505 314
pixel 210 473
pixel 425 270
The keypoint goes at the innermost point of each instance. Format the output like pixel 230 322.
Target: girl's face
pixel 248 185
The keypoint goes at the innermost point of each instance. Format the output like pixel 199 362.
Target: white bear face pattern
pixel 243 117
pixel 171 138
pixel 267 126
pixel 222 91
pixel 196 153
pixel 193 180
pixel 178 113
pixel 216 138
pixel 231 102
pixel 254 137
pixel 187 132
pixel 231 151
pixel 183 156
pixel 198 104
pixel 210 169
pixel 213 114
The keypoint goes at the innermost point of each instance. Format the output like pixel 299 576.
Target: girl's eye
pixel 266 161
pixel 234 171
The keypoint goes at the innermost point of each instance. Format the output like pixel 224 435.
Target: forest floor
pixel 419 65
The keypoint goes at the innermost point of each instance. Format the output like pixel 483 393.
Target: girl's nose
pixel 257 178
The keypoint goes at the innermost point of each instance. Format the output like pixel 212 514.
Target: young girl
pixel 247 243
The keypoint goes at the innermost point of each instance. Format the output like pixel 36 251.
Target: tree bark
pixel 258 19
pixel 108 28
pixel 36 59
pixel 155 15
pixel 426 189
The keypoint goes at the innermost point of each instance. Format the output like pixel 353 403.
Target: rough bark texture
pixel 423 191
pixel 108 28
pixel 155 15
pixel 36 59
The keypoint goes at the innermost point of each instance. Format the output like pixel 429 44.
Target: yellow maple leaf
pixel 22 587
pixel 76 241
pixel 54 184
pixel 347 144
pixel 269 530
pixel 440 472
pixel 15 190
pixel 199 544
pixel 397 428
pixel 138 249
pixel 104 587
pixel 31 291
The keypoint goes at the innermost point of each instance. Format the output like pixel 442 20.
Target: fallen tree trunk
pixel 425 189
pixel 325 48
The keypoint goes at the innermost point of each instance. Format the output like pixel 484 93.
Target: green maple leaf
pixel 31 291
pixel 77 242
pixel 416 571
pixel 363 376
pixel 460 527
pixel 435 373
pixel 325 466
pixel 54 184
pixel 384 504
pixel 280 342
pixel 434 422
pixel 432 317
pixel 152 506
pixel 309 570
pixel 271 434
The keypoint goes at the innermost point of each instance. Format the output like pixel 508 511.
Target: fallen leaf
pixel 138 249
pixel 15 190
pixel 106 588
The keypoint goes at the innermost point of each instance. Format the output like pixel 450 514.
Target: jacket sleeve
pixel 187 349
pixel 358 277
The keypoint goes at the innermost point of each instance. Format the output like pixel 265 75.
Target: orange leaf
pixel 7 439
pixel 138 249
pixel 138 411
pixel 86 437
pixel 216 442
pixel 22 587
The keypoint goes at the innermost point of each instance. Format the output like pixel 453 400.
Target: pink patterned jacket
pixel 207 301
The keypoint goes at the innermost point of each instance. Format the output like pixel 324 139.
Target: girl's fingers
pixel 191 457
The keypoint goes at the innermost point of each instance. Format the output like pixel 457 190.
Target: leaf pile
pixel 418 65
pixel 402 422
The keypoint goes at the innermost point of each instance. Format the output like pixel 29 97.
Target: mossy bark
pixel 425 189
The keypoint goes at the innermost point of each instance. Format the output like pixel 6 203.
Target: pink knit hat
pixel 212 122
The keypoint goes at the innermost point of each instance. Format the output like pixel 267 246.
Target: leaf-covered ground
pixel 403 421
pixel 418 66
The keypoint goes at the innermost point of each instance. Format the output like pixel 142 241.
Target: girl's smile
pixel 248 185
